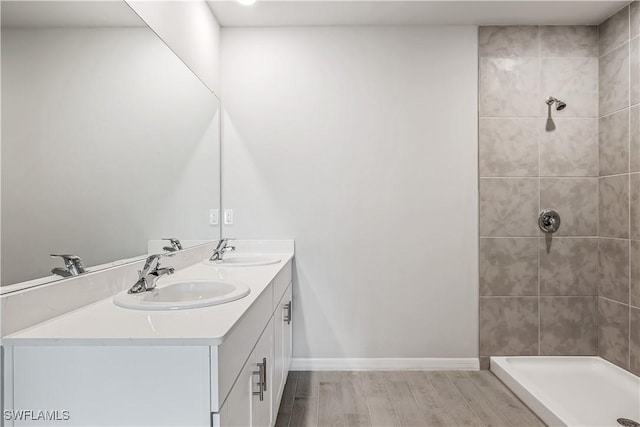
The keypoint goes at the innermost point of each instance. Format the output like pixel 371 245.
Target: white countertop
pixel 104 323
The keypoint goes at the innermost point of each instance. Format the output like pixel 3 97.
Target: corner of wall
pixel 191 30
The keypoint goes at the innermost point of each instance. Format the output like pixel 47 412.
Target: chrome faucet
pixel 73 264
pixel 221 249
pixel 150 274
pixel 175 244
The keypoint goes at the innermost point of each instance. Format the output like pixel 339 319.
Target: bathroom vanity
pixel 221 365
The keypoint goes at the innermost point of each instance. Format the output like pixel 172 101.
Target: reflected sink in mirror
pixel 243 260
pixel 184 295
pixel 89 96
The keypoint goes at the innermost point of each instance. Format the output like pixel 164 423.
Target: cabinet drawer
pixel 113 385
pixel 227 359
pixel 280 284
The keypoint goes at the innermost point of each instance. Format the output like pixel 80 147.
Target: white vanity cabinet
pixel 273 350
pixel 282 346
pixel 236 383
pixel 262 361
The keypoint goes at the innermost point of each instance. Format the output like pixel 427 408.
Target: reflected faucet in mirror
pixel 175 244
pixel 150 274
pixel 73 264
pixel 221 249
pixel 39 121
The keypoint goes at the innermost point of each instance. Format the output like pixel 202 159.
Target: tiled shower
pixel 578 291
pixel 619 291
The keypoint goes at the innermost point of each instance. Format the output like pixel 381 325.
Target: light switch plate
pixel 228 216
pixel 214 217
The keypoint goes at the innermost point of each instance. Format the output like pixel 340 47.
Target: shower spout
pixel 560 105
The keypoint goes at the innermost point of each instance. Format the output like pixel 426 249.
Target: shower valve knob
pixel 549 221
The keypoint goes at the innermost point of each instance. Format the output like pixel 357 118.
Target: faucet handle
pixel 154 258
pixel 66 257
pixel 72 262
pixel 223 242
pixel 175 243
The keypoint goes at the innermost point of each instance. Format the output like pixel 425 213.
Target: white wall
pixel 1 348
pixel 108 141
pixel 191 30
pixel 360 144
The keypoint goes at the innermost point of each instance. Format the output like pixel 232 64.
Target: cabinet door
pixel 263 354
pixel 279 324
pixel 282 346
pixel 236 410
pixel 246 405
pixel 287 334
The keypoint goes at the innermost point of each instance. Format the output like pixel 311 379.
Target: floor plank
pixel 478 402
pixel 381 410
pixel 503 400
pixel 354 404
pixel 286 403
pixel 308 384
pixel 330 410
pixel 428 400
pixel 397 398
pixel 305 412
pixel 531 420
pixel 453 401
pixel 405 404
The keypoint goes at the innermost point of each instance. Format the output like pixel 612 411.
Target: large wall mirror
pixel 108 139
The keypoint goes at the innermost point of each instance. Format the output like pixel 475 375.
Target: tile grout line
pixel 539 180
pixel 612 300
pixel 611 49
pixel 541 118
pixel 564 177
pixel 629 95
pixel 629 196
pixel 597 331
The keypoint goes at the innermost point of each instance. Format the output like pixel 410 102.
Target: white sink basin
pixel 182 295
pixel 243 260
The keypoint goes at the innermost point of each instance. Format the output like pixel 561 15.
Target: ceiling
pixel 68 14
pixel 277 13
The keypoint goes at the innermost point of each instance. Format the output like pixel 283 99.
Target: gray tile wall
pixel 540 296
pixel 619 186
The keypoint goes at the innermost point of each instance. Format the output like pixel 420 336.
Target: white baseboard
pixel 379 364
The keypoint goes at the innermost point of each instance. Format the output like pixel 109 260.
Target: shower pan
pixel 572 390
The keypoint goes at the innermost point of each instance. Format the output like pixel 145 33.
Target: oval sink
pixel 243 260
pixel 182 295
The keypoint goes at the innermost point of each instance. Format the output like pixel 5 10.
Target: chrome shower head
pixel 560 105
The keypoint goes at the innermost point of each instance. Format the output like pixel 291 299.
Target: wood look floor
pixel 460 398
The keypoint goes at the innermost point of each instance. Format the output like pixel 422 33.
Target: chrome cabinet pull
pixel 264 370
pixel 288 308
pixel 261 372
